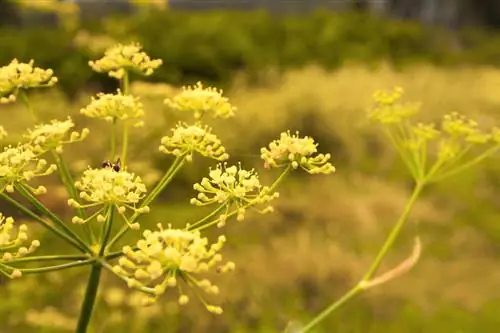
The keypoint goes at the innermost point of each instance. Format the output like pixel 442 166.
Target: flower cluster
pixel 114 106
pixel 120 58
pixel 202 101
pixel 107 187
pixel 389 109
pixel 164 256
pixel 187 139
pixel 18 75
pixel 19 164
pixel 291 149
pixel 53 136
pixel 232 185
pixel 11 244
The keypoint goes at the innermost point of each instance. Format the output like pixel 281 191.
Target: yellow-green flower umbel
pixel 201 101
pixel 115 106
pixel 431 152
pixel 12 245
pixel 291 149
pixel 187 139
pixel 18 75
pixel 165 256
pixel 119 59
pixel 107 187
pixel 53 136
pixel 19 165
pixel 233 185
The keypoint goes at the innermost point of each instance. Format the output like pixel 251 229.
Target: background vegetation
pixel 315 74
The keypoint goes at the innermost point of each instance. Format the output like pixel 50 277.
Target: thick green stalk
pixel 389 242
pixel 94 278
pixel 89 298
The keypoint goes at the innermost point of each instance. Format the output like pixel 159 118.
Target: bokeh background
pixel 301 65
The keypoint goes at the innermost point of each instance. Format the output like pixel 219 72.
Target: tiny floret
pixel 389 108
pixel 187 139
pixel 232 185
pixel 18 75
pixel 165 257
pixel 13 244
pixel 114 106
pixel 20 164
pixel 53 136
pixel 120 58
pixel 201 101
pixel 291 149
pixel 107 187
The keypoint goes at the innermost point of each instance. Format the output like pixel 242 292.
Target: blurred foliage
pixel 213 46
pixel 291 264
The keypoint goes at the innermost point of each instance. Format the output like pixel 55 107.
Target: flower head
pixel 121 58
pixel 232 185
pixel 53 136
pixel 12 244
pixel 108 187
pixel 389 109
pixel 18 75
pixel 200 101
pixel 20 164
pixel 166 256
pixel 114 106
pixel 291 149
pixel 187 139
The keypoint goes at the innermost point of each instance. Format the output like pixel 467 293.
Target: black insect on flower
pixel 115 166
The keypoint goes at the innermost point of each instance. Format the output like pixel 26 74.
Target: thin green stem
pixel 467 165
pixel 372 270
pixel 44 210
pixel 68 182
pixel 214 212
pixel 106 229
pixel 334 306
pixel 169 175
pixel 47 225
pixel 56 267
pixel 123 157
pixel 125 83
pixel 113 138
pixel 394 232
pixel 234 212
pixel 27 104
pixel 48 258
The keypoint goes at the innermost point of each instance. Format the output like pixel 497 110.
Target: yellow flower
pixel 232 185
pixel 297 152
pixel 195 138
pixel 107 187
pixel 389 108
pixel 20 164
pixel 16 76
pixel 121 58
pixel 11 245
pixel 50 136
pixel 165 256
pixel 201 101
pixel 114 106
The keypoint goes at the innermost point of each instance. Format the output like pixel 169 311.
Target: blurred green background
pixel 311 69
